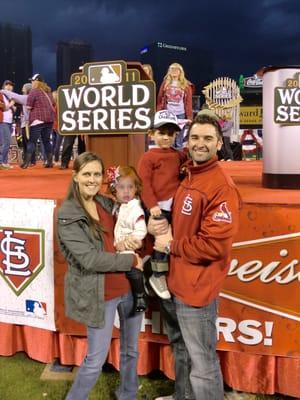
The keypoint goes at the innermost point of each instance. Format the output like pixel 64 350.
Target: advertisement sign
pixel 106 97
pixel 26 262
pixel 253 81
pixel 259 309
pixel 251 115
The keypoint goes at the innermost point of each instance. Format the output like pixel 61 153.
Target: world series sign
pixel 287 101
pixel 106 97
pixel 281 122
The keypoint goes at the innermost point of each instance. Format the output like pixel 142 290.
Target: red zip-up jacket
pixel 205 220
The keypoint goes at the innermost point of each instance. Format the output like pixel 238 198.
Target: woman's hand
pixel 157 226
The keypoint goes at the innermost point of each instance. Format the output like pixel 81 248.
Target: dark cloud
pixel 243 36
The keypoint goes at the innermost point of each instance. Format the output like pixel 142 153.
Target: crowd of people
pixel 179 210
pixel 37 126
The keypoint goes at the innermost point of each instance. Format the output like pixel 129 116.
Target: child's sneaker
pixel 159 285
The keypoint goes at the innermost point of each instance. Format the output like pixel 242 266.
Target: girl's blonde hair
pixel 123 172
pixel 182 81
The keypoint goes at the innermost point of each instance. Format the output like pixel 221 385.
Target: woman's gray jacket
pixel 84 280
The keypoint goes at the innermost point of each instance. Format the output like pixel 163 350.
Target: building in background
pixel 15 54
pixel 197 63
pixel 69 57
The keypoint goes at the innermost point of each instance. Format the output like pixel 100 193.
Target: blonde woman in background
pixel 175 93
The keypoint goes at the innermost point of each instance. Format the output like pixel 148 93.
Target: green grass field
pixel 20 379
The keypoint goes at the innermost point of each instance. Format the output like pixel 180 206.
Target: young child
pixel 159 170
pixel 126 186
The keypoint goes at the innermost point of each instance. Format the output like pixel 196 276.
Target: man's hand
pixel 162 241
pixel 157 226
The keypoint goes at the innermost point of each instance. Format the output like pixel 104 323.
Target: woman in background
pixel 175 93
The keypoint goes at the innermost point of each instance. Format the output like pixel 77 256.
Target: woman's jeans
pixel 44 131
pixel 5 138
pixel 192 334
pixel 98 347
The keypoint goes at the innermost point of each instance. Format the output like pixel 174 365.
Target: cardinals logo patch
pixel 223 214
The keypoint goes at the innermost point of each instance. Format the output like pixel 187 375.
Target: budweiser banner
pixel 26 262
pixel 259 309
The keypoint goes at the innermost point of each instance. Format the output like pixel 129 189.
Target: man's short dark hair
pixel 206 119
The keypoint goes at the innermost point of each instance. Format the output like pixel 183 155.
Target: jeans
pixel 57 140
pixel 193 336
pixel 98 346
pixel 179 140
pixel 68 148
pixel 226 151
pixel 5 137
pixel 41 130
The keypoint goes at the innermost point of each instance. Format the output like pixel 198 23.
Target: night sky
pixel 242 35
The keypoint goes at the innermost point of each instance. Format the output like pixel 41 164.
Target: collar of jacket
pixel 70 209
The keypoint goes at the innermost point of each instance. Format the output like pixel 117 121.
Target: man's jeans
pixel 5 138
pixel 98 347
pixel 192 334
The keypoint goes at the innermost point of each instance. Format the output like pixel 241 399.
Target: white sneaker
pixel 165 398
pixel 159 285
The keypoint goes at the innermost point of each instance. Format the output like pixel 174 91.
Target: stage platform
pixel 266 213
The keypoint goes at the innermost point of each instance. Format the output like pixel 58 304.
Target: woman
pixel 22 99
pixel 41 106
pixel 175 93
pixel 95 284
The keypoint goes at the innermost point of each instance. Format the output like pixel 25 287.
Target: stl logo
pixel 22 256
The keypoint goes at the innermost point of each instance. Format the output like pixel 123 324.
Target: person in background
pixel 175 95
pixel 126 186
pixel 22 99
pixel 95 284
pixel 41 116
pixel 7 108
pixel 68 147
pixel 226 127
pixel 56 137
pixel 204 221
pixel 159 170
pixel 148 69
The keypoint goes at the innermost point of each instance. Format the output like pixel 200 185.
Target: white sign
pixel 26 262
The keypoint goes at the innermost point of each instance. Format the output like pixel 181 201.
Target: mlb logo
pixel 36 308
pixel 105 74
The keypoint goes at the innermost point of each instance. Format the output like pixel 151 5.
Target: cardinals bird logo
pixel 223 214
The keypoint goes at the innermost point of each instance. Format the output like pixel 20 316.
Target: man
pixel 204 222
pixel 67 149
pixel 7 109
